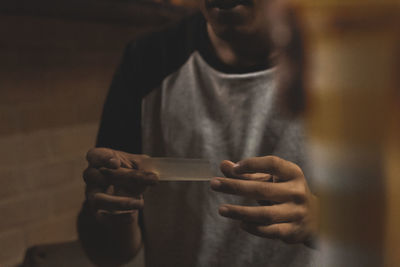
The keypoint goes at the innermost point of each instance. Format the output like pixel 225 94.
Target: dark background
pixel 57 59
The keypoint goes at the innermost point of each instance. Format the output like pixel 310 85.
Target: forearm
pixel 108 244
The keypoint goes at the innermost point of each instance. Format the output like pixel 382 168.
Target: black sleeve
pixel 146 62
pixel 121 118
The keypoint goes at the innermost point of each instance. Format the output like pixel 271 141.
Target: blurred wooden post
pixel 352 67
pixel 392 252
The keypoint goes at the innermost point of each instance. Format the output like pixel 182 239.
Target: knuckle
pixel 274 162
pixel 252 162
pixel 299 195
pixel 297 170
pixel 90 154
pixel 245 165
pixel 301 213
pixel 285 233
pixel 248 164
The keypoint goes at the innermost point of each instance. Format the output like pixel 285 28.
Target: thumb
pixel 103 157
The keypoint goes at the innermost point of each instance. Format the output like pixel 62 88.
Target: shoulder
pixel 183 33
pixel 148 60
pixel 164 51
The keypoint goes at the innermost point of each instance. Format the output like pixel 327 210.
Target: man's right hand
pixel 115 184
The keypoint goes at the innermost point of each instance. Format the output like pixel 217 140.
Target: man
pixel 203 89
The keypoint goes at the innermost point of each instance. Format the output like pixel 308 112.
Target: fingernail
pixel 223 210
pixel 215 183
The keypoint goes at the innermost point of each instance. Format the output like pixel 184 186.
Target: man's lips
pixel 227 4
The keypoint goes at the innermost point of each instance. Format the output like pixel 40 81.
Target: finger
pixel 103 157
pixel 91 190
pixel 261 214
pixel 93 177
pixel 102 201
pixel 226 167
pixel 286 232
pixel 124 177
pixel 269 164
pixel 130 161
pixel 278 192
pixel 262 177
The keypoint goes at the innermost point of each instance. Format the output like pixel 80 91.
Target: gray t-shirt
pixel 199 112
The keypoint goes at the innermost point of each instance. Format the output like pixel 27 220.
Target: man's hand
pixel 115 184
pixel 292 217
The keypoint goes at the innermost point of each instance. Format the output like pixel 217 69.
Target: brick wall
pixel 54 75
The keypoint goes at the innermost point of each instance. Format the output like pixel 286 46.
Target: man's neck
pixel 241 54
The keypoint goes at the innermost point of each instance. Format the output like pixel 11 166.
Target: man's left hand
pixel 292 213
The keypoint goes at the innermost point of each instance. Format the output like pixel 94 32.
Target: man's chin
pixel 231 33
pixel 236 14
pixel 227 4
pixel 230 19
